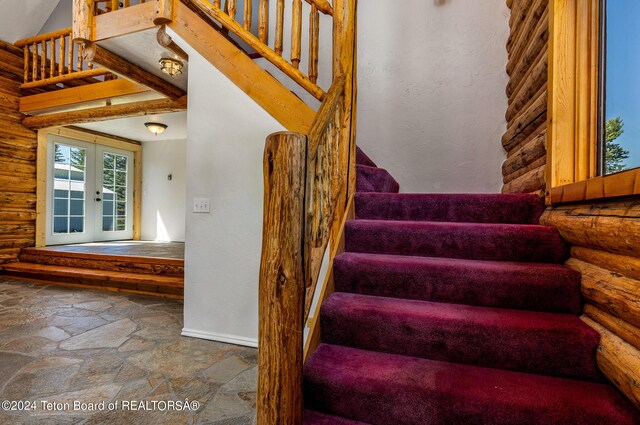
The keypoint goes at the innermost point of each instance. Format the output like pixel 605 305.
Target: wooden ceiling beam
pixel 96 54
pixel 75 95
pixel 134 109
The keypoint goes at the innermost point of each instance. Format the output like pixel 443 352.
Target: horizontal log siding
pixel 17 162
pixel 526 115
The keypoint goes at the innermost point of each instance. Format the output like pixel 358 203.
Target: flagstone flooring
pixel 63 345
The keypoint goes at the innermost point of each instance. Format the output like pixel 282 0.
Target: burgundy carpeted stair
pixel 454 309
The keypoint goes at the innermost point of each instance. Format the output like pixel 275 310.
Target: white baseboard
pixel 230 339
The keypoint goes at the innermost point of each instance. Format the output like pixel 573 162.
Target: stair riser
pixel 556 290
pixel 505 209
pixel 537 244
pixel 564 352
pixel 106 264
pixel 372 179
pixel 392 390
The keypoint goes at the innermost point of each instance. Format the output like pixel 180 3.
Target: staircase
pixel 163 277
pixel 454 309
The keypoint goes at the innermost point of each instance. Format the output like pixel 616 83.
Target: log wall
pixel 605 239
pixel 525 138
pixel 17 161
pixel 605 235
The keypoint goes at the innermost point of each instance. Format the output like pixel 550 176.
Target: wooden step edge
pixel 102 275
pixel 103 264
pixel 101 288
pixel 105 257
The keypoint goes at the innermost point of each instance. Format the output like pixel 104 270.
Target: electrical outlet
pixel 201 205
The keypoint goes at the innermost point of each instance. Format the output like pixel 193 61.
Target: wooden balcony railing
pixel 53 58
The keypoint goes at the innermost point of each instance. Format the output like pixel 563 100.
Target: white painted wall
pixel 431 96
pixel 61 17
pixel 23 18
pixel 163 200
pixel 226 136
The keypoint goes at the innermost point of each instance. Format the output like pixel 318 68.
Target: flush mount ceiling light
pixel 171 67
pixel 155 127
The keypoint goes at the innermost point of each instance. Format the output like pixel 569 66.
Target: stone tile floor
pixel 62 345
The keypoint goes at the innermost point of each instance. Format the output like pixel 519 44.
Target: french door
pixel 89 192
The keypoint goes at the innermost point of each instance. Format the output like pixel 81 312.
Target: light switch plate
pixel 201 205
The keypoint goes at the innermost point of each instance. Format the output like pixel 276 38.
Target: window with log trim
pixel 576 153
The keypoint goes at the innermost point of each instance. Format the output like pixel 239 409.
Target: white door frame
pixel 88 137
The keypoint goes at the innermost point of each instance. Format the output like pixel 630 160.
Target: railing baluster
pixel 247 14
pixel 25 50
pixel 314 34
pixel 125 3
pixel 216 3
pixel 279 27
pixel 70 56
pixel 34 72
pixel 296 33
pixel 61 55
pixel 115 4
pixel 43 60
pixel 231 5
pixel 80 59
pixel 52 58
pixel 263 21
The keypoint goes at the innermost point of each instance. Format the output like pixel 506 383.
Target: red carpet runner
pixel 454 309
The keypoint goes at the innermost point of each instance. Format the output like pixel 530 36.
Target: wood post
pixel 282 282
pixel 247 15
pixel 263 21
pixel 279 27
pixel 164 12
pixel 314 44
pixel 83 20
pixel 296 32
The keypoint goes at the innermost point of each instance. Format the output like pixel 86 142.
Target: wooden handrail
pixel 43 37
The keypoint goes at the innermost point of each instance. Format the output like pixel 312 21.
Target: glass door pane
pixel 69 217
pixel 115 221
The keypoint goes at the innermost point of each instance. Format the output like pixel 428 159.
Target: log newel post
pixel 83 20
pixel 282 281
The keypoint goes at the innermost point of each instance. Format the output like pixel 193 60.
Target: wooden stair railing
pixel 308 179
pixel 226 16
pixel 54 58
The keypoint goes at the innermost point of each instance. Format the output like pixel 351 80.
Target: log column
pixel 282 282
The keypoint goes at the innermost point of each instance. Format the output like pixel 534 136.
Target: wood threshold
pixel 76 95
pixel 626 183
pixel 125 21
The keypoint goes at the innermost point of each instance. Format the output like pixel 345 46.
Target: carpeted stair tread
pixel 363 159
pixel 309 417
pixel 545 343
pixel 374 179
pixel 478 241
pixel 389 389
pixel 526 286
pixel 473 208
